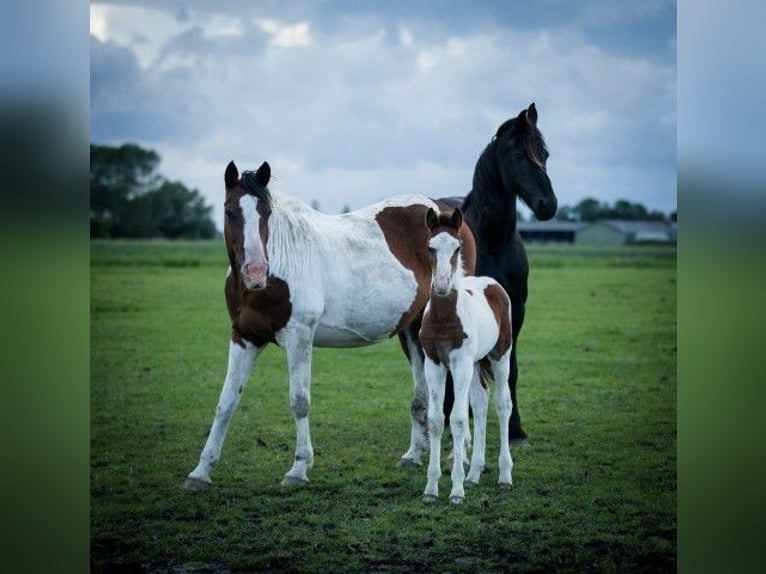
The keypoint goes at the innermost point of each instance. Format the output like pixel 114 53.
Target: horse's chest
pixel 441 331
pixel 258 315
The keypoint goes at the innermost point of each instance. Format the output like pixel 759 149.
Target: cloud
pixel 350 108
pixel 286 36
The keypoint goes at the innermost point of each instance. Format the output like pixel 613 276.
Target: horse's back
pixel 486 306
pixel 373 274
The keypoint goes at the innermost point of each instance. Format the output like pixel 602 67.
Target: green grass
pixel 595 490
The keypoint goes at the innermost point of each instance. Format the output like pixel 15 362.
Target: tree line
pixel 590 209
pixel 129 198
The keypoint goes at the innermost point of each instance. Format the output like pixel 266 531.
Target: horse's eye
pixel 230 212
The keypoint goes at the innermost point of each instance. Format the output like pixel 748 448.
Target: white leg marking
pixel 297 342
pixel 479 401
pixel 503 407
pixel 240 366
pixel 462 373
pixel 418 409
pixel 436 377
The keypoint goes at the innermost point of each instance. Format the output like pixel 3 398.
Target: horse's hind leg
pixel 515 433
pixel 419 406
pixel 241 360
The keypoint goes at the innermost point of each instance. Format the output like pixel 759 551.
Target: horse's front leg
pixel 435 376
pixel 462 373
pixel 297 342
pixel 241 360
pixel 419 406
pixel 503 406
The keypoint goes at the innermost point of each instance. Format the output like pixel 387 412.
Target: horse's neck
pixel 489 208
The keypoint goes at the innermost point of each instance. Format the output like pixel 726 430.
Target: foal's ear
pixel 432 220
pixel 532 114
pixel 231 176
pixel 263 175
pixel 457 218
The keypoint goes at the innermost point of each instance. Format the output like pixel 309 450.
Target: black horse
pixel 512 165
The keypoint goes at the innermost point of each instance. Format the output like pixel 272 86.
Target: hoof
pixel 505 485
pixel 294 481
pixel 468 484
pixel 457 499
pixel 408 463
pixel 192 484
pixel 429 498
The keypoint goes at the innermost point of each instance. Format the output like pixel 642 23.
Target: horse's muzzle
pixel 254 276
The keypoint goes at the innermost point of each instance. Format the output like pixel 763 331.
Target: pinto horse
pixel 301 279
pixel 467 319
pixel 512 165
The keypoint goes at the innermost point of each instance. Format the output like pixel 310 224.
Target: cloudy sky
pixel 354 101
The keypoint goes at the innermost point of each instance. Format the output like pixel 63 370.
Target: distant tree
pixel 129 199
pixel 315 204
pixel 566 213
pixel 346 209
pixel 589 209
pixel 117 176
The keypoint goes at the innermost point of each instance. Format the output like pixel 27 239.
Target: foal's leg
pixel 462 373
pixel 241 362
pixel 435 379
pixel 479 400
pixel 419 406
pixel 298 344
pixel 503 406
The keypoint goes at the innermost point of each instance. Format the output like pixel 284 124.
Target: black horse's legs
pixel 515 433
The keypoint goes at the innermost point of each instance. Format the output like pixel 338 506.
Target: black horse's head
pixel 521 156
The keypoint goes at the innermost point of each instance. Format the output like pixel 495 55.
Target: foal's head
pixel 444 247
pixel 245 228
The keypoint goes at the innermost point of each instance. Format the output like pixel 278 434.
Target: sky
pixel 354 101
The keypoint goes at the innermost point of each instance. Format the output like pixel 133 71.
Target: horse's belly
pixel 346 336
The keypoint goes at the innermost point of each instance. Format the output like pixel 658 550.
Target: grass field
pixel 594 491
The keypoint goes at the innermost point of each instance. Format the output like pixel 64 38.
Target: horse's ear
pixel 457 218
pixel 532 114
pixel 231 176
pixel 263 175
pixel 432 220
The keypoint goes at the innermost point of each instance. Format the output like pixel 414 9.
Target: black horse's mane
pixel 532 139
pixel 488 199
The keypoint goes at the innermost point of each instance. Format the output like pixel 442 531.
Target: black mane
pixel 252 187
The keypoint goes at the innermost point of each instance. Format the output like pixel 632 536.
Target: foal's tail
pixel 485 372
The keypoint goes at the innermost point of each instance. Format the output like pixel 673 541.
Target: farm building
pixel 605 232
pixel 616 232
pixel 552 231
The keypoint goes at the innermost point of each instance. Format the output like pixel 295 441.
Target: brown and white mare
pixel 300 278
pixel 467 320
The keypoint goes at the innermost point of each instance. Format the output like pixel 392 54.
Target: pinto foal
pixel 467 319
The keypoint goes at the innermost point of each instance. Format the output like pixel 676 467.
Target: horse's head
pixel 444 248
pixel 521 157
pixel 247 209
